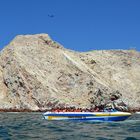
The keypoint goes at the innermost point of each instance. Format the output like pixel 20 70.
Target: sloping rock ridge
pixel 37 73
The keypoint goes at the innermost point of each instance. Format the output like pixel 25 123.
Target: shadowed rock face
pixel 36 73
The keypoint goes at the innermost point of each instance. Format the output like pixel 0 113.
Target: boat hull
pixel 87 116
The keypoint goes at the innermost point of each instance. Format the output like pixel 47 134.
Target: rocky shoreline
pixel 84 110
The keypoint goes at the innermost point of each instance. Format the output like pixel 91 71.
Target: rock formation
pixel 37 73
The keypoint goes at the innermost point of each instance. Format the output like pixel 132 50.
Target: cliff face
pixel 38 73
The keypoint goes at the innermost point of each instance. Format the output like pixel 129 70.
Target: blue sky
pixel 80 25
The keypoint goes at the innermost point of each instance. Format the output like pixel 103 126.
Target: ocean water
pixel 32 126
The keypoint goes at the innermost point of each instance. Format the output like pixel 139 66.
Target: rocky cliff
pixel 37 73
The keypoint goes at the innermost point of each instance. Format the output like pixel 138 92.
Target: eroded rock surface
pixel 37 73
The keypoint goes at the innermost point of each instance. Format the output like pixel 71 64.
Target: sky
pixel 80 25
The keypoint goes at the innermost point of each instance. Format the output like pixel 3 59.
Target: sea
pixel 32 126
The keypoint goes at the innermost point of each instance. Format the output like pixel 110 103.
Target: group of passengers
pixel 74 109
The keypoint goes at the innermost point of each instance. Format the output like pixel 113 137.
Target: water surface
pixel 32 126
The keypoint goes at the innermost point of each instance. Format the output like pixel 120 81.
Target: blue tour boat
pixel 87 116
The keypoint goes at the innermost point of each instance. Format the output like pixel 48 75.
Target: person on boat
pixel 92 110
pixel 78 110
pixel 96 109
pixel 56 110
pixel 69 109
pixel 64 110
pixel 83 110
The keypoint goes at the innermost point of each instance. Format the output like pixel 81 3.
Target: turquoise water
pixel 32 126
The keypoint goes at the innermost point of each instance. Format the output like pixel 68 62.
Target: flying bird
pixel 51 16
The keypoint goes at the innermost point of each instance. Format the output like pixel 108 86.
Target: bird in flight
pixel 51 16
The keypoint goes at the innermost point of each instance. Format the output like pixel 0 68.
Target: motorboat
pixel 87 116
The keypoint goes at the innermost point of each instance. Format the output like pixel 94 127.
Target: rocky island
pixel 38 74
